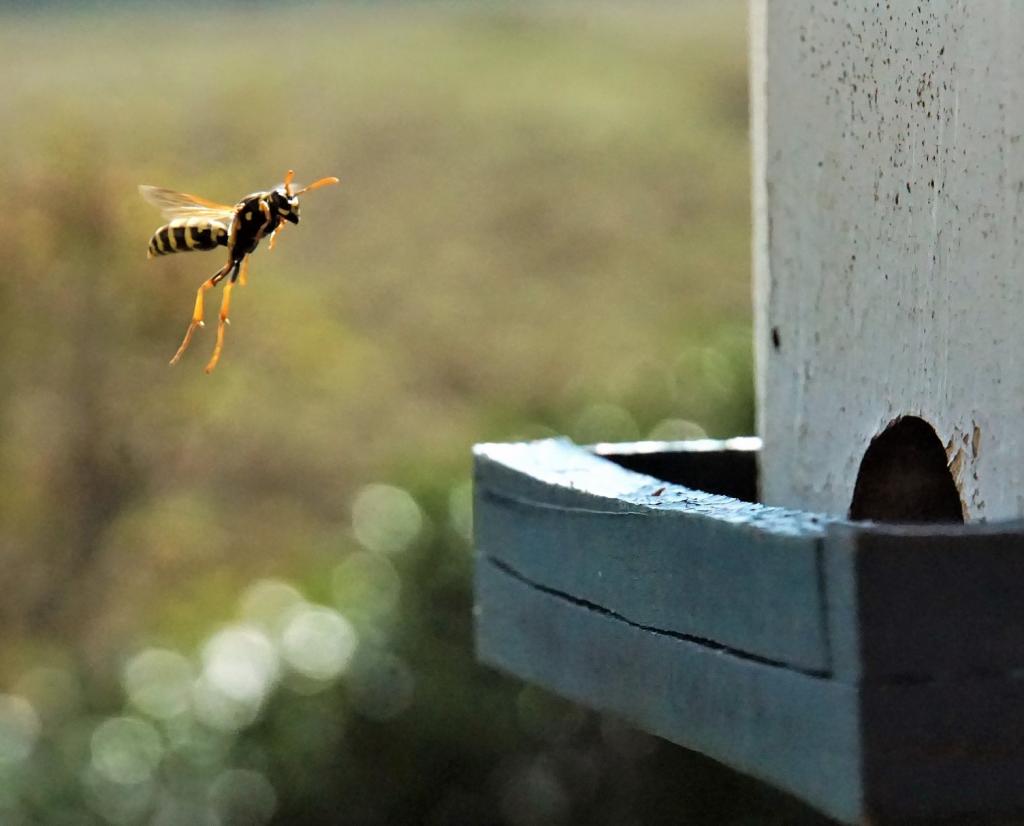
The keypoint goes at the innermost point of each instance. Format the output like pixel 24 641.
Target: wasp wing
pixel 181 205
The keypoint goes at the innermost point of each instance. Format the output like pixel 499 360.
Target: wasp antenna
pixel 318 184
pixel 288 178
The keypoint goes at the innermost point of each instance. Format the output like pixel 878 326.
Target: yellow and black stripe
pixel 184 234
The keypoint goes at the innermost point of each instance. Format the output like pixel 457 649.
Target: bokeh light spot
pixel 19 728
pixel 159 682
pixel 366 585
pixel 55 693
pixel 117 802
pixel 318 643
pixel 268 603
pixel 385 519
pixel 676 430
pixel 220 711
pixel 126 750
pixel 240 662
pixel 604 423
pixel 199 746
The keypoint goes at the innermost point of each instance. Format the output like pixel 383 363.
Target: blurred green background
pixel 245 598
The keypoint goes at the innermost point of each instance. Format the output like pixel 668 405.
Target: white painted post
pixel 888 198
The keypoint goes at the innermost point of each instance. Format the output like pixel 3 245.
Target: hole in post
pixel 904 477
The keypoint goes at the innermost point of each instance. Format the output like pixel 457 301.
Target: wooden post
pixel 888 187
pixel 874 670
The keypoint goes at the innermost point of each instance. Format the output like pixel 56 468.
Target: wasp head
pixel 286 205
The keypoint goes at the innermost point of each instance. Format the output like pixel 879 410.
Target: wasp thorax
pixel 287 206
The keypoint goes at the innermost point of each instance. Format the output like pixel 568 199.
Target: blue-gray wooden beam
pixel 872 671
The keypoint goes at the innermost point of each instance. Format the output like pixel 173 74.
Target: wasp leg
pixel 197 311
pixel 243 273
pixel 224 321
pixel 273 235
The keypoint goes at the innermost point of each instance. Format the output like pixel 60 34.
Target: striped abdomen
pixel 184 234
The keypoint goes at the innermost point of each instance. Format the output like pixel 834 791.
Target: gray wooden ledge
pixel 873 671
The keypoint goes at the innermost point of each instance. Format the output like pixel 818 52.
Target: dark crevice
pixel 996 676
pixel 905 477
pixel 690 638
pixel 725 472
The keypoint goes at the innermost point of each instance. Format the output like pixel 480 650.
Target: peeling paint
pixel 951 446
pixel 976 443
pixel 956 465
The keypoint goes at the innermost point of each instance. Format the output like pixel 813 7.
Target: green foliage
pixel 542 228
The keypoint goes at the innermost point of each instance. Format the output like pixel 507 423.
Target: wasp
pixel 198 224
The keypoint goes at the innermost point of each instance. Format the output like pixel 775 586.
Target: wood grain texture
pixel 889 269
pixel 661 555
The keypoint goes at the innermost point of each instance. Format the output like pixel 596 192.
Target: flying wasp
pixel 197 224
